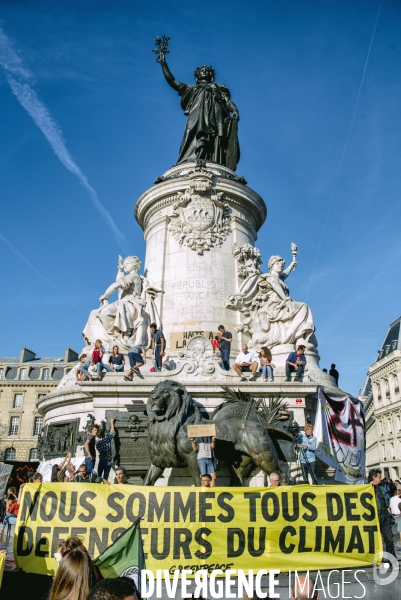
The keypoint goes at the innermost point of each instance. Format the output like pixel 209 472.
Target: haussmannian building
pixel 23 381
pixel 382 402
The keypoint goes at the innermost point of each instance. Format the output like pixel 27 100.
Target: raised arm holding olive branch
pixel 212 124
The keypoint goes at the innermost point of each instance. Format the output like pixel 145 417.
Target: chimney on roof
pixel 26 355
pixel 70 355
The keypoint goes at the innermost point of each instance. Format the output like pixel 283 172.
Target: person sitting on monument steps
pixel 82 363
pixel 116 360
pixel 265 364
pixel 307 442
pixel 137 358
pixel 103 446
pixel 158 345
pixel 206 480
pixel 386 520
pixel 97 358
pixel 225 339
pixel 203 446
pixel 296 361
pixel 82 371
pixel 245 363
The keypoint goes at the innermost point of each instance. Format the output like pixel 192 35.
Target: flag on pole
pixel 340 434
pixel 124 557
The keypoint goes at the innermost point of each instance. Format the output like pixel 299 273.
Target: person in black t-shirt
pixel 158 345
pixel 225 346
pixel 116 360
pixel 334 373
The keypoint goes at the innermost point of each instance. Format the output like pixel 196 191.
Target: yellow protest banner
pixel 287 528
pixel 2 564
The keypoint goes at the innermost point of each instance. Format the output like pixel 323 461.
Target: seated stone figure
pixel 272 317
pixel 125 321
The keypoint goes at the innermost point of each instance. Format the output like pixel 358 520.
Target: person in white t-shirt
pixel 395 503
pixel 245 363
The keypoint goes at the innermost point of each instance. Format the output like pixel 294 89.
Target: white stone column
pixel 215 205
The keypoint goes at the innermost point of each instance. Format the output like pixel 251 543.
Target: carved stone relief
pixel 130 448
pixel 199 358
pixel 57 438
pixel 248 259
pixel 200 218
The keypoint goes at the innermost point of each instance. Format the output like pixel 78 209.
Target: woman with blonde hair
pixel 265 364
pixel 75 576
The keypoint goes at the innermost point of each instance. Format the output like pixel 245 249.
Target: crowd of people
pixel 136 357
pixel 247 360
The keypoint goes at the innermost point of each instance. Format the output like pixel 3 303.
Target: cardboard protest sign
pixel 195 431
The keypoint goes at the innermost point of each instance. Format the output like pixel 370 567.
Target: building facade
pixel 382 401
pixel 23 381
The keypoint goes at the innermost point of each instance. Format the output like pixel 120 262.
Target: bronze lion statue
pixel 243 444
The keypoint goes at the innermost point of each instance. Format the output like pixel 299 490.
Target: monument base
pixel 114 397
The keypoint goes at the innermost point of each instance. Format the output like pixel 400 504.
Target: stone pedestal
pixel 191 220
pixel 200 223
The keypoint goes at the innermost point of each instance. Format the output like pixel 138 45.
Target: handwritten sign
pixel 179 340
pixel 195 431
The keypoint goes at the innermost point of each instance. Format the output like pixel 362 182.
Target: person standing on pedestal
pixel 225 338
pixel 334 373
pixel 203 446
pixel 90 449
pixel 103 447
pixel 158 345
pixel 296 361
pixel 307 443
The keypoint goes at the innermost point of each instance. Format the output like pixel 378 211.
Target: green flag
pixel 124 556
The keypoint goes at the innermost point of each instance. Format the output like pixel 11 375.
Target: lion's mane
pixel 162 434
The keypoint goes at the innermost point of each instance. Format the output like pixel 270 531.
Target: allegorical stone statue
pixel 126 321
pixel 271 316
pixel 211 131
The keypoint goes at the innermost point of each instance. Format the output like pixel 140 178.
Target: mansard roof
pixel 392 340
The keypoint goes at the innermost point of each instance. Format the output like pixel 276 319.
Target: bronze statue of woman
pixel 210 133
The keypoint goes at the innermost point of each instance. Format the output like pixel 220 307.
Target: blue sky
pixel 322 150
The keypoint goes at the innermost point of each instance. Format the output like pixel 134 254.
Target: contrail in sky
pixel 340 166
pixel 20 80
pixel 26 261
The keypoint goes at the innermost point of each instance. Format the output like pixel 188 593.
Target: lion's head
pixel 167 399
pixel 167 408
